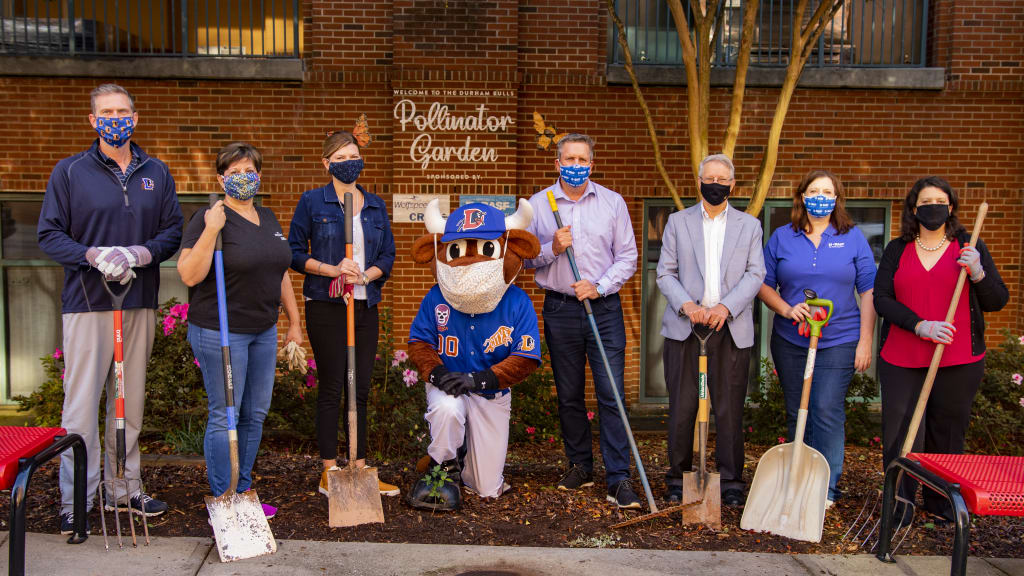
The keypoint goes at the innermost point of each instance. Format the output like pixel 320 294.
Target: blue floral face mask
pixel 819 206
pixel 242 185
pixel 115 131
pixel 574 175
pixel 347 171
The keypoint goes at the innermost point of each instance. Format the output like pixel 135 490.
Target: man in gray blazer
pixel 710 270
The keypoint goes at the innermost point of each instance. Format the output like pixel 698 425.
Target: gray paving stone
pixel 939 566
pixel 50 554
pixel 1011 566
pixel 344 558
pixel 840 565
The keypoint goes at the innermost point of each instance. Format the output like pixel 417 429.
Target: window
pixel 268 28
pixel 872 217
pixel 30 292
pixel 863 33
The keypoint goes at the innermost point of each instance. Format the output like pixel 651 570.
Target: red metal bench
pixel 980 485
pixel 22 451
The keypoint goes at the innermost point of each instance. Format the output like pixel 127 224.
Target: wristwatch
pixel 366 279
pixel 600 290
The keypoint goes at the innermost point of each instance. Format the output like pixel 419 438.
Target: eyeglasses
pixel 716 179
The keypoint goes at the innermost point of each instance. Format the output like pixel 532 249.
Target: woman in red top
pixel 913 287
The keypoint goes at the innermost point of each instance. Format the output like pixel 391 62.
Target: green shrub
pixel 995 427
pixel 535 406
pixel 764 413
pixel 187 439
pixel 47 401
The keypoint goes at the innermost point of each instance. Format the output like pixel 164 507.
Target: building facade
pixel 450 90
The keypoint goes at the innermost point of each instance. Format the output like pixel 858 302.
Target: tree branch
pixel 624 44
pixel 739 86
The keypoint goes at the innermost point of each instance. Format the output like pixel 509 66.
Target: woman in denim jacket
pixel 333 282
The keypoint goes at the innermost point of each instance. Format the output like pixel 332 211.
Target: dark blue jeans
pixel 826 409
pixel 571 343
pixel 253 359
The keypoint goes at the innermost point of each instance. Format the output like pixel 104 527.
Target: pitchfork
pixel 110 486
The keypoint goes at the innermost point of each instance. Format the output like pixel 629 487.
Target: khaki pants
pixel 89 362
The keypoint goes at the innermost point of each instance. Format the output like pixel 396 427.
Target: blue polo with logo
pixel 474 342
pixel 839 265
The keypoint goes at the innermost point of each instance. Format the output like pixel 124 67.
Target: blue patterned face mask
pixel 574 176
pixel 242 185
pixel 115 131
pixel 347 171
pixel 819 206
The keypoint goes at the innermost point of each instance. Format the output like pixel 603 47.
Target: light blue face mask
pixel 819 206
pixel 574 176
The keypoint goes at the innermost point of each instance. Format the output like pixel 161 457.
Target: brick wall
pixel 518 57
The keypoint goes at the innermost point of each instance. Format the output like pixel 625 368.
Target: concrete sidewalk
pixel 48 554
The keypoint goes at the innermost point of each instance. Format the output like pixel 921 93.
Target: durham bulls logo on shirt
pixel 472 219
pixel 501 337
pixel 147 184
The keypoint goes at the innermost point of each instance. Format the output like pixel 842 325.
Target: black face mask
pixel 714 193
pixel 932 216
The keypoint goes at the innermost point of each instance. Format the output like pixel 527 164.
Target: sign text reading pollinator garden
pixel 438 118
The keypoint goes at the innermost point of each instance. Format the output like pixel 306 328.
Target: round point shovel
pixel 790 487
pixel 353 493
pixel 702 487
pixel 239 524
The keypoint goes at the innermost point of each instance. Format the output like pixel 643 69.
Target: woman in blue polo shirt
pixel 824 251
pixel 333 282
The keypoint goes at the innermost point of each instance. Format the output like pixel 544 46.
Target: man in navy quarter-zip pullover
pixel 110 214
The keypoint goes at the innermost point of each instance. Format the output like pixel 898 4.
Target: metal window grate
pixel 863 33
pixel 224 28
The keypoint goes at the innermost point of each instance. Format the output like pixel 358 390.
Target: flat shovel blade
pixel 765 510
pixel 240 526
pixel 353 497
pixel 708 500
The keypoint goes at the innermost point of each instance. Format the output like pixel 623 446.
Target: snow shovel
pixel 110 490
pixel 607 367
pixel 790 487
pixel 353 493
pixel 239 524
pixel 703 487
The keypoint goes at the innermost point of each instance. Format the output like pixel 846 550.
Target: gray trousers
pixel 89 367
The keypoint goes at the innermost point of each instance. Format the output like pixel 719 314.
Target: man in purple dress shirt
pixel 598 227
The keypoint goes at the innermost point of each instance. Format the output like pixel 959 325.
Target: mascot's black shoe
pixel 438 489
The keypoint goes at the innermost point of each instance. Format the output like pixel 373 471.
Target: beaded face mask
pixel 242 185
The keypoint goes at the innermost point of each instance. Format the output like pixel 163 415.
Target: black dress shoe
pixel 733 497
pixel 674 494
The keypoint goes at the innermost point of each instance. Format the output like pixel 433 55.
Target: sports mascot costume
pixel 475 336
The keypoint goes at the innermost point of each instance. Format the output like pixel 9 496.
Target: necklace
pixel 923 247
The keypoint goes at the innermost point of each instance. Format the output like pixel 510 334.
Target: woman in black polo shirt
pixel 256 258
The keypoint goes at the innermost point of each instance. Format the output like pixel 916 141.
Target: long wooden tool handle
pixel 933 368
pixel 350 376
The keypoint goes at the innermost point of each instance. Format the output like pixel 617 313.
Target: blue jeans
pixel 253 360
pixel 571 343
pixel 826 410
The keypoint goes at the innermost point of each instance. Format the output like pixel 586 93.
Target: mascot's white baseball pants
pixel 483 423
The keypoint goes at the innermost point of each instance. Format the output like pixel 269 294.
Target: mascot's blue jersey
pixel 474 342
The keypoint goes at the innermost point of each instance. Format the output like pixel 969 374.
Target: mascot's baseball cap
pixel 474 221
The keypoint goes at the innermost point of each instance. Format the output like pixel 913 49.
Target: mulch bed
pixel 534 513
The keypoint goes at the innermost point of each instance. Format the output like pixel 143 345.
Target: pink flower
pixel 530 430
pixel 1021 400
pixel 376 358
pixel 1021 340
pixel 180 311
pixel 195 361
pixel 401 355
pixel 775 372
pixel 169 323
pixel 781 440
pixel 551 439
pixel 57 354
pixel 410 377
pixel 395 363
pixel 65 371
pixel 1017 379
pixel 750 429
pixel 310 380
pixel 311 363
pixel 590 415
pixel 876 439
